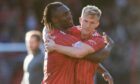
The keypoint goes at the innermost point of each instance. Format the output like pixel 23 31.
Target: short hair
pixel 33 33
pixel 91 10
pixel 47 15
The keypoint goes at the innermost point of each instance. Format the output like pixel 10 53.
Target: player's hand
pixel 49 44
pixel 105 37
pixel 107 77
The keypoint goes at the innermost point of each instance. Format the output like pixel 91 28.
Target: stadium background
pixel 120 20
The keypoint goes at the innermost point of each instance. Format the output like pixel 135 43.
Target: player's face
pixel 33 44
pixel 62 17
pixel 88 24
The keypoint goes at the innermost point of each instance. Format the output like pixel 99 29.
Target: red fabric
pixel 75 31
pixel 58 68
pixel 85 70
pixel 96 41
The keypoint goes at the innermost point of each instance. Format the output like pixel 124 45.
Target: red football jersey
pixel 85 70
pixel 58 68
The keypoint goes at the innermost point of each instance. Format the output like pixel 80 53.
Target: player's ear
pixel 97 24
pixel 80 20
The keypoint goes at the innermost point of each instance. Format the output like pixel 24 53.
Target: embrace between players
pixel 73 53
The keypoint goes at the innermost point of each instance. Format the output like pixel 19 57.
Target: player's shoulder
pixel 44 33
pixel 74 29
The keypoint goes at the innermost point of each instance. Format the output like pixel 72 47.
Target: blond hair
pixel 31 33
pixel 91 10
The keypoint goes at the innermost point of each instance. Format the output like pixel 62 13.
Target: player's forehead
pixel 90 17
pixel 61 10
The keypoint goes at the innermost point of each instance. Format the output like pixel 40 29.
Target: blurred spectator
pixel 33 63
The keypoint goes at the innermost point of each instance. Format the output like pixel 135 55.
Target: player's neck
pixel 85 37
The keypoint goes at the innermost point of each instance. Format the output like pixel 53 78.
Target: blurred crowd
pixel 120 20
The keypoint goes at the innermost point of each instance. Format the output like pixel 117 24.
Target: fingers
pixel 104 34
pixel 105 37
pixel 110 80
pixel 108 39
pixel 49 43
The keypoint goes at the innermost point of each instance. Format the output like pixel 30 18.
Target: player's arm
pixel 79 49
pixel 102 54
pixel 77 52
pixel 81 52
pixel 105 74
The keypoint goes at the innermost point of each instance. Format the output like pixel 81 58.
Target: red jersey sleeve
pixel 97 42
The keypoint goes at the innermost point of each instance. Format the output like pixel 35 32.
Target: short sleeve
pixel 45 34
pixel 97 43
